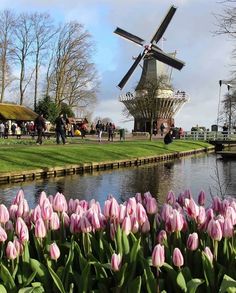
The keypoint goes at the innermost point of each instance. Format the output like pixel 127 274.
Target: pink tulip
pixel 208 253
pixel 12 211
pixel 134 225
pixel 122 213
pixel 214 230
pixel 231 213
pixel 158 256
pixel 228 228
pixel 37 213
pixel 40 229
pixel 18 245
pixel 126 225
pixel 19 197
pixel 95 222
pixel 66 219
pixel 59 203
pixel 216 204
pixel 201 198
pixel 116 262
pixel 177 258
pixel 84 204
pixel 145 227
pixel 141 214
pixel 151 205
pixel 192 208
pixel 3 235
pixel 23 209
pixel 85 225
pixel 4 214
pixel 9 226
pixel 175 221
pixel 11 251
pixel 193 241
pixel 74 223
pixel 170 198
pixel 166 211
pixel 22 230
pixel 162 237
pixel 54 222
pixel 112 231
pixel 46 210
pixel 131 206
pixel 111 208
pixel 201 216
pixel 42 197
pixel 54 251
pixel 138 197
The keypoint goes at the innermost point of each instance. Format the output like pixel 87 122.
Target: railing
pixel 208 135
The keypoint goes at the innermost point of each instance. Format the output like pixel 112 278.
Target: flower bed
pixel 136 246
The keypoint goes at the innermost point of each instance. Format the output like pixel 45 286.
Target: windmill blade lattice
pixel 151 49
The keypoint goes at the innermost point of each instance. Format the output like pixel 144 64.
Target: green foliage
pixel 48 108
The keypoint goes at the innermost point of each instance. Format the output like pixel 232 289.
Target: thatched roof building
pixel 16 113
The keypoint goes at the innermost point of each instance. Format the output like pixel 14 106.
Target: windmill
pixel 151 49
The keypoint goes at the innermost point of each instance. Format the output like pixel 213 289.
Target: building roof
pixel 16 112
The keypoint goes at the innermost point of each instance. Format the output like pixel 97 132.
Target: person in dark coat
pixel 40 127
pixel 168 137
pixel 60 129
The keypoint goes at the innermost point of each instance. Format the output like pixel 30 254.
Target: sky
pixel 190 33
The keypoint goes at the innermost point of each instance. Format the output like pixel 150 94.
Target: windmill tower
pixel 165 102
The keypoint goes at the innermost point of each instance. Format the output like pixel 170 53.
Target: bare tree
pixel 228 113
pixel 24 38
pixel 7 23
pixel 73 76
pixel 44 32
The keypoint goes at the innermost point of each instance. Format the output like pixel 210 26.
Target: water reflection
pixel 197 172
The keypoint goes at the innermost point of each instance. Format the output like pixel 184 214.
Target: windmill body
pixel 165 103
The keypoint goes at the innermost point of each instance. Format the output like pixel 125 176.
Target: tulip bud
pixel 54 222
pixel 145 227
pixel 116 262
pixel 170 198
pixel 158 256
pixel 19 197
pixel 85 225
pixel 54 251
pixel 214 230
pixel 60 203
pixel 228 228
pixel 3 235
pixel 4 214
pixel 22 230
pixel 11 251
pixel 42 197
pixel 151 205
pixel 208 253
pixel 177 258
pixel 46 210
pixel 201 198
pixel 126 225
pixel 40 229
pixel 162 237
pixel 192 242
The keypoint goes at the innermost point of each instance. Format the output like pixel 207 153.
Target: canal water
pixel 199 172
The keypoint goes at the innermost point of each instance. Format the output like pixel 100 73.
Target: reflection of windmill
pixel 155 64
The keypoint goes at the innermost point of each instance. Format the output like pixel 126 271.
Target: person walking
pixel 40 127
pixel 162 128
pixel 99 128
pixel 110 130
pixel 168 137
pixel 60 129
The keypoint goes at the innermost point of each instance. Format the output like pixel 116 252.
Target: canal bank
pixel 70 169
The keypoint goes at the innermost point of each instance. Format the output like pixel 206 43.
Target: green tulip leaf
pixel 119 240
pixel 121 275
pixel 228 285
pixel 208 271
pixel 7 277
pixel 150 281
pixel 42 273
pixel 134 250
pixel 68 264
pixel 181 281
pixel 2 289
pixel 125 243
pixel 135 285
pixel 31 278
pixel 56 280
pixel 82 260
pixel 193 284
pixel 84 281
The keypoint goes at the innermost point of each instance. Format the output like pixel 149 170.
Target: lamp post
pixel 218 111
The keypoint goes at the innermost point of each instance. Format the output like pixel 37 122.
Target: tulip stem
pixel 215 244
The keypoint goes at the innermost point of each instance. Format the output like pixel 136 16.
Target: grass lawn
pixel 23 156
